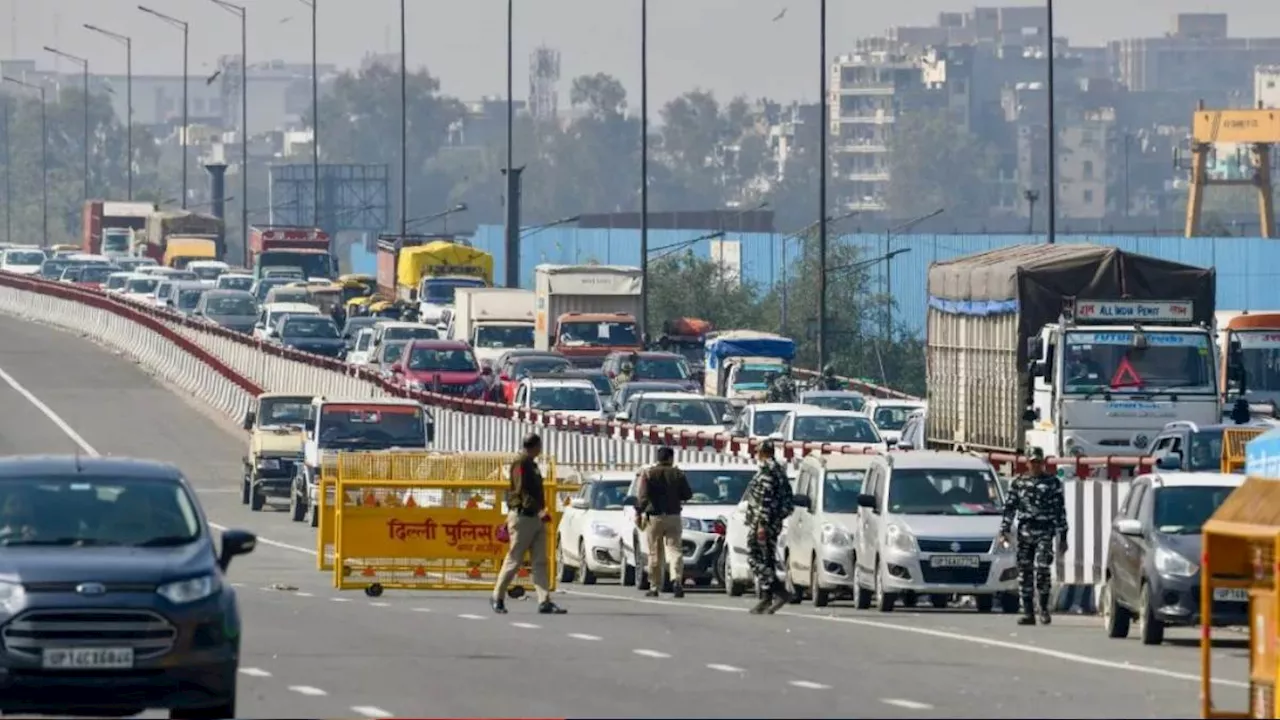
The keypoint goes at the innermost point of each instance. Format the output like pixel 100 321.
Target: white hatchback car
pixel 845 429
pixel 588 539
pixel 818 548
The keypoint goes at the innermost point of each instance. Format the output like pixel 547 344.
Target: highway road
pixel 313 652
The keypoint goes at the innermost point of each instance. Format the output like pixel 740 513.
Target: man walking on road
pixel 769 502
pixel 527 518
pixel 1036 501
pixel 663 490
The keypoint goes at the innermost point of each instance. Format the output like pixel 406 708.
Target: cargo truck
pixel 110 227
pixel 1250 360
pixel 196 236
pixel 739 362
pixel 586 312
pixel 287 246
pixel 428 270
pixel 493 320
pixel 1074 349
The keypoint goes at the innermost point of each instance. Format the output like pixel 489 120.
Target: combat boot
pixel 1027 619
pixel 780 597
pixel 1045 617
pixel 766 599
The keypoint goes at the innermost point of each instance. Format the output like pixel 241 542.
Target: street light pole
pixel 84 64
pixel 8 187
pixel 44 156
pixel 644 166
pixel 240 11
pixel 186 46
pixel 128 65
pixel 404 123
pixel 822 187
pixel 1052 206
pixel 315 112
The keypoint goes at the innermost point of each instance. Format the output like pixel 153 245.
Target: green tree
pixel 683 285
pixel 933 164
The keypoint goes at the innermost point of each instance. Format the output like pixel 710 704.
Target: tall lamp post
pixel 8 187
pixel 1052 205
pixel 239 11
pixel 186 37
pixel 84 64
pixel 404 123
pixel 315 108
pixel 822 186
pixel 644 167
pixel 44 156
pixel 128 65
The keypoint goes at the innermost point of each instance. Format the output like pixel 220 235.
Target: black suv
pixel 1153 557
pixel 112 597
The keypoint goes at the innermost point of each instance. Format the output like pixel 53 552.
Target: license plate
pixel 88 658
pixel 952 561
pixel 1239 595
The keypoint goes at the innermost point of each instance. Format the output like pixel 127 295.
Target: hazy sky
pixel 730 46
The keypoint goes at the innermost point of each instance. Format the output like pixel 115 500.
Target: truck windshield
pixel 314 265
pixel 599 333
pixel 503 336
pixel 754 375
pixel 440 291
pixel 115 241
pixel 1260 354
pixel 1170 362
pixel 371 426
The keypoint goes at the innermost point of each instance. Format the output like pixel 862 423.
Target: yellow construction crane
pixel 1257 128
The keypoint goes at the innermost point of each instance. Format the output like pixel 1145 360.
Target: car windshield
pixel 892 417
pixel 598 333
pixel 392 351
pixel 602 384
pixel 231 305
pixel 565 397
pixel 661 368
pixel 832 428
pixel 352 426
pixel 72 273
pixel 718 487
pixel 766 421
pixel 540 365
pixel 235 282
pixel 1184 510
pixel 24 257
pixel 694 411
pixel 52 269
pixel 115 282
pixel 207 273
pixel 853 403
pixel 1206 450
pixel 944 491
pixel 499 336
pixel 96 273
pixel 1110 361
pixel 442 291
pixel 720 408
pixel 162 288
pixel 309 327
pixel 416 332
pixel 188 299
pixel 142 286
pixel 266 285
pixel 88 511
pixel 840 489
pixel 429 359
pixel 607 494
pixel 284 410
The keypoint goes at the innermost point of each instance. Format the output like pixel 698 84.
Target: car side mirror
pixel 578 504
pixel 623 416
pixel 902 445
pixel 802 501
pixel 630 501
pixel 776 437
pixel 728 419
pixel 1169 461
pixel 249 419
pixel 1129 526
pixel 867 501
pixel 235 542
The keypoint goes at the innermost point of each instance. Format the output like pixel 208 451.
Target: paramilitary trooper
pixel 1036 502
pixel 769 502
pixel 828 381
pixel 782 389
pixel 663 490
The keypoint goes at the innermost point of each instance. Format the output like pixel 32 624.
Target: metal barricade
pixel 1233 447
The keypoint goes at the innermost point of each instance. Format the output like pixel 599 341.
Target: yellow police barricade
pixel 427 534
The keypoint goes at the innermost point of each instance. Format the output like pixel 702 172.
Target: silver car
pixel 929 525
pixel 819 539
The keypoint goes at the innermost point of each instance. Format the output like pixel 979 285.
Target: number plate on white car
pixel 88 658
pixel 1239 595
pixel 954 561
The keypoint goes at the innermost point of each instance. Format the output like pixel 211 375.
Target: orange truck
pixel 109 226
pixel 1250 345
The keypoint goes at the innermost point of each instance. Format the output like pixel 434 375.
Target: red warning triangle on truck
pixel 1126 375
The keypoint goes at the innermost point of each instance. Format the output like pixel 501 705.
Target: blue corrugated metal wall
pixel 1248 268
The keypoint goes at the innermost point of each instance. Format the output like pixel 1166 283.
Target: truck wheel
pixel 297 510
pixel 256 499
pixel 246 491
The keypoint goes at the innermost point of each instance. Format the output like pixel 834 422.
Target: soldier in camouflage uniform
pixel 769 502
pixel 828 381
pixel 1036 501
pixel 782 389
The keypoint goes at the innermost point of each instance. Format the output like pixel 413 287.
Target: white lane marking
pixel 307 690
pixel 908 704
pixel 237 584
pixel 48 412
pixel 988 642
pixel 470 617
pixel 725 668
pixel 583 636
pixel 254 672
pixel 370 711
pixel 650 653
pixel 809 685
pixel 526 626
pixel 422 609
pixel 340 599
pixel 379 604
pixel 302 594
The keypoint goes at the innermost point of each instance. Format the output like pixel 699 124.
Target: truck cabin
pixel 441 290
pixel 117 241
pixel 1251 361
pixel 312 263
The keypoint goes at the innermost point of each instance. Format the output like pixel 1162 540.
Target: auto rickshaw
pixel 368 281
pixel 357 307
pixel 352 289
pixel 384 309
pixel 325 297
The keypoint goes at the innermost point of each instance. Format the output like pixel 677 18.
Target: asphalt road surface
pixel 310 651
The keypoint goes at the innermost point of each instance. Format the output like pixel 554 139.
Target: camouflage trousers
pixel 1035 568
pixel 762 558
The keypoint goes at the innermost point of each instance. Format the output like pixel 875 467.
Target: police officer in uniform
pixel 769 502
pixel 663 490
pixel 527 519
pixel 1037 503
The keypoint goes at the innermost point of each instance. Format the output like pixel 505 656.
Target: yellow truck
pixel 179 251
pixel 428 269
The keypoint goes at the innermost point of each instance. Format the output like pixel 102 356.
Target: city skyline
pixel 467 52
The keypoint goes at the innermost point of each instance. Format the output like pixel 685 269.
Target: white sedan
pixel 588 539
pixel 891 415
pixel 843 428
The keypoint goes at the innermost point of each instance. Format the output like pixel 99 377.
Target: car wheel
pixel 910 600
pixel 732 586
pixel 862 596
pixel 796 591
pixel 297 510
pixel 566 572
pixel 1009 603
pixel 1115 619
pixel 245 491
pixel 256 499
pixel 819 596
pixel 940 602
pixel 984 602
pixel 1152 628
pixel 884 600
pixel 584 569
pixel 215 712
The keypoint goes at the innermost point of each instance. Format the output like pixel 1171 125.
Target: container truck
pixel 588 311
pixel 1077 350
pixel 1250 359
pixel 738 363
pixel 493 320
pixel 281 246
pixel 200 237
pixel 110 226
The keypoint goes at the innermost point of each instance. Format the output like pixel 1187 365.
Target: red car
pixel 516 365
pixel 442 366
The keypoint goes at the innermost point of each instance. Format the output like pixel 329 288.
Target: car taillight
pixel 718 527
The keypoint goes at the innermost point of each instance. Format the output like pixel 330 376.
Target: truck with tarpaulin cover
pixel 110 227
pixel 428 270
pixel 1250 344
pixel 288 246
pixel 586 312
pixel 738 363
pixel 195 236
pixel 1079 350
pixel 687 336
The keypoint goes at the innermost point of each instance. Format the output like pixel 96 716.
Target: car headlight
pixel 1000 547
pixel 188 591
pixel 11 596
pixel 268 464
pixel 1171 563
pixel 899 538
pixel 603 531
pixel 693 524
pixel 836 536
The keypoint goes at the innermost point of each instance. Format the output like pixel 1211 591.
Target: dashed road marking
pixel 908 704
pixel 340 599
pixel 307 690
pixel 584 636
pixel 379 604
pixel 302 594
pixel 809 685
pixel 422 609
pixel 527 626
pixel 254 672
pixel 725 668
pixel 237 584
pixel 650 653
pixel 469 616
pixel 370 711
